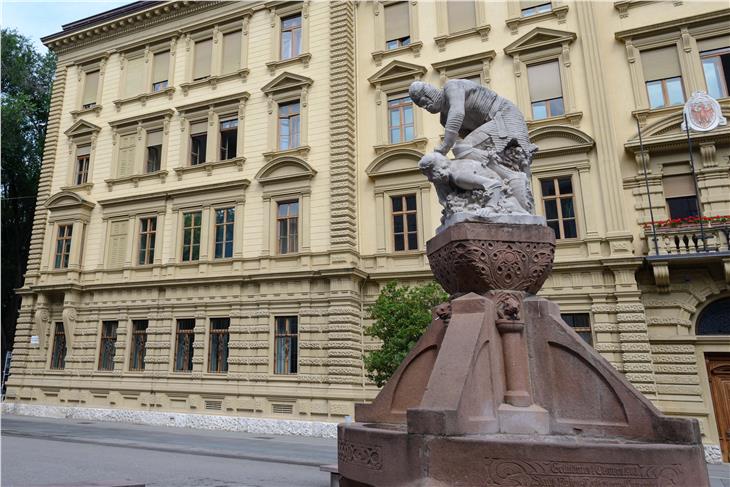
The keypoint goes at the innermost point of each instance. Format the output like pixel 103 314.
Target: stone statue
pixel 489 178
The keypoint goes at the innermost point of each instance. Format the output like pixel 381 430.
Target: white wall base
pixel 266 426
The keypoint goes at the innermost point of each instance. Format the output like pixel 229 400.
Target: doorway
pixel 718 372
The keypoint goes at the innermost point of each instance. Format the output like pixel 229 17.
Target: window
pixel 663 77
pixel 715 56
pixel 154 151
pixel 91 88
pixel 138 345
pixel 83 158
pixel 184 345
pixel 546 92
pixel 63 246
pixel 581 324
pixel 160 70
pixel 681 196
pixel 108 347
pixel 135 76
pixel 287 226
pixel 58 353
pixel 397 25
pixel 198 142
pixel 202 59
pixel 405 227
pixel 534 7
pixel 715 318
pixel 400 119
pixel 557 199
pixel 289 125
pixel 285 345
pixel 127 150
pixel 117 243
pixel 191 236
pixel 231 52
pixel 291 36
pixel 218 359
pixel 462 15
pixel 224 232
pixel 147 234
pixel 229 138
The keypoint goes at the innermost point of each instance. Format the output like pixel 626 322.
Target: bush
pixel 401 315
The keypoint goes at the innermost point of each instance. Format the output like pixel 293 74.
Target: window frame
pixel 569 319
pixel 288 219
pixel 665 92
pixel 290 116
pixel 225 224
pixel 291 30
pixel 189 352
pixel 536 10
pixel 716 54
pixel 558 197
pixel 105 356
pixel 137 350
pixel 192 161
pixel 221 355
pixel 148 250
pixel 223 133
pixel 403 126
pixel 403 214
pixel 66 240
pixel 191 228
pixel 58 347
pixel 83 164
pixel 292 360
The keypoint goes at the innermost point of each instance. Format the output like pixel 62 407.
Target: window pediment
pixel 397 71
pixel 560 140
pixel 539 38
pixel 400 161
pixel 285 169
pixel 667 134
pixel 142 118
pixel 67 200
pixel 81 128
pixel 286 82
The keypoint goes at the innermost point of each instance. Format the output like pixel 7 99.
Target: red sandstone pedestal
pixel 500 392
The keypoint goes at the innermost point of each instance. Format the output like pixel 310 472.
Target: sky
pixel 36 19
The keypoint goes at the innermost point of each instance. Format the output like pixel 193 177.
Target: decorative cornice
pixel 213 102
pixel 539 38
pixel 67 199
pixel 482 31
pixel 572 140
pixel 414 47
pixel 716 16
pixel 559 12
pixel 303 170
pixel 174 193
pixel 143 97
pixel 464 61
pixel 378 168
pixel 209 166
pixel 286 81
pixel 142 118
pixel 81 127
pixel 397 70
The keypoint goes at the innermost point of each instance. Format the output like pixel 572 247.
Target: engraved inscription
pixel 520 473
pixel 368 456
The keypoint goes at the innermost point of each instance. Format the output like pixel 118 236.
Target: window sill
pixel 208 167
pixel 414 47
pixel 482 31
pixel 213 80
pixel 559 13
pixel 136 178
pixel 572 118
pixel 83 111
pixel 302 59
pixel 415 144
pixel 300 152
pixel 144 97
pixel 86 187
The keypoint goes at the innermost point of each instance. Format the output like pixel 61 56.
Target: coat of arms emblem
pixel 702 113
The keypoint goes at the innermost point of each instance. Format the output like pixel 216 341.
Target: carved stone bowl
pixel 482 257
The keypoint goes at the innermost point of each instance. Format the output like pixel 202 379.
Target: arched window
pixel 715 319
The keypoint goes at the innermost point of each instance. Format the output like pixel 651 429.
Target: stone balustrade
pixel 687 239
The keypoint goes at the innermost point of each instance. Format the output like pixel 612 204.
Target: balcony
pixel 681 242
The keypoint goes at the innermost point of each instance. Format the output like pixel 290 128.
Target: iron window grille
pixel 286 345
pixel 184 345
pixel 108 346
pixel 58 353
pixel 218 358
pixel 138 345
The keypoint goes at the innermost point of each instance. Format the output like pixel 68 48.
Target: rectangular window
pixel 405 226
pixel 534 7
pixel 154 151
pixel 108 346
pixel 715 56
pixel 117 243
pixel 83 158
pixel 289 125
pixel 400 119
pixel 285 345
pixel 231 52
pixel 291 36
pixel 546 91
pixel 581 324
pixel 218 359
pixel 147 234
pixel 198 142
pixel 287 226
pixel 160 70
pixel 127 150
pixel 138 345
pixel 63 246
pixel 91 87
pixel 557 199
pixel 397 25
pixel 135 77
pixel 58 353
pixel 229 138
pixel 681 197
pixel 185 337
pixel 663 77
pixel 224 232
pixel 202 59
pixel 191 236
pixel 462 15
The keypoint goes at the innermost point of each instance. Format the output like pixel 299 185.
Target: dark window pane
pixel 398 224
pixel 551 209
pixel 412 241
pixel 570 229
pixel 399 243
pixel 566 206
pixel 556 107
pixel 682 207
pixel 555 226
pixel 565 186
pixel 397 203
pixel 411 202
pixel 411 221
pixel 548 187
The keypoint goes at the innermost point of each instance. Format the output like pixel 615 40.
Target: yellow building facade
pixel 227 185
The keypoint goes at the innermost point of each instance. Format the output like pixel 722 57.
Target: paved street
pixel 41 451
pixel 45 452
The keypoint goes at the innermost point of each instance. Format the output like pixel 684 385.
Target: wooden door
pixel 718 370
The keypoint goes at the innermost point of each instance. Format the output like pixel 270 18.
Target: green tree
pixel 401 315
pixel 25 92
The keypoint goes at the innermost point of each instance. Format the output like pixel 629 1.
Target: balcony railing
pixel 687 239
